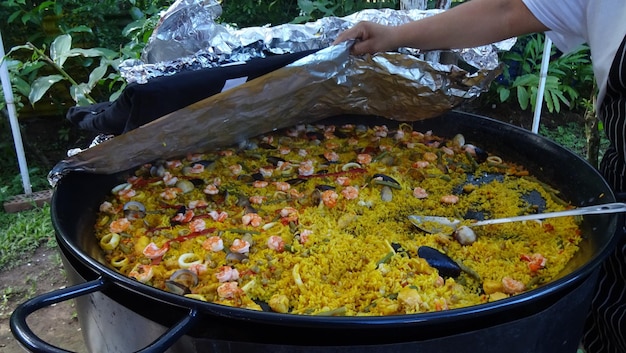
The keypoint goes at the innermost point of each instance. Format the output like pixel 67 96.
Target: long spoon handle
pixel 615 207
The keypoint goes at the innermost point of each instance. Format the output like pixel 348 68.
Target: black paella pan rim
pixel 474 127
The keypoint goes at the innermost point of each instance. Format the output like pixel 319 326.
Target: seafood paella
pixel 315 220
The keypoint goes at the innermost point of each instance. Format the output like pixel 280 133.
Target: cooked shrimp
pixel 259 184
pixel 449 199
pixel 213 243
pixel 421 164
pixel 329 197
pixel 152 251
pixel 119 225
pixel 127 193
pixel 198 269
pixel 194 157
pixel 304 235
pixel 197 225
pixel 252 219
pixel 240 246
pixel 331 145
pixel 142 273
pixel 302 152
pixel 266 171
pixel 306 168
pixel 420 193
pixel 350 192
pixel 512 286
pixel 107 207
pixel 183 217
pixel 197 204
pixel 218 216
pixel 211 189
pixel 229 290
pixel 226 153
pixel 535 261
pixel 289 214
pixel 295 193
pixel 257 199
pixel 331 156
pixel 170 193
pixel 197 168
pixel 276 243
pixel 227 273
pixel 364 158
pixel 235 169
pixel 282 185
pixel 280 165
pixel 447 150
pixel 284 150
pixel 343 181
pixel 169 180
pixel 175 163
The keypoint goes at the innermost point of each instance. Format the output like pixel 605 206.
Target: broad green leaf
pixel 18 47
pixel 505 93
pixel 21 86
pixel 132 27
pixel 60 48
pixel 92 52
pixel 13 17
pixel 41 86
pixel 96 75
pixel 549 102
pixel 81 29
pixel 522 97
pixel 79 93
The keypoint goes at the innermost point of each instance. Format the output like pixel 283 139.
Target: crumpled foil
pixel 329 82
pixel 188 38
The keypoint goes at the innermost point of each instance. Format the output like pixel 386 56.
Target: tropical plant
pixel 91 68
pixel 568 76
pixel 315 9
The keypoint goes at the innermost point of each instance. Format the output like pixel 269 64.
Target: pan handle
pixel 30 341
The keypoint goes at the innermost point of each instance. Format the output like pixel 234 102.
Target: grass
pixel 23 232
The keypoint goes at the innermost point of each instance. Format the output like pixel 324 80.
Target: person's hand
pixel 370 38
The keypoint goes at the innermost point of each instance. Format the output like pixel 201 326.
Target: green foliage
pixel 313 10
pixel 95 75
pixel 568 77
pixel 252 13
pixel 23 232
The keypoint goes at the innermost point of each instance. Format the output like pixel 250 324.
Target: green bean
pixel 385 259
pixel 341 311
pixel 242 231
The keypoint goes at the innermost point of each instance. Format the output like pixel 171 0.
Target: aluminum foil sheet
pixel 189 38
pixel 328 83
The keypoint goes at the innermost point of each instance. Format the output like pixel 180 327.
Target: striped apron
pixel 605 330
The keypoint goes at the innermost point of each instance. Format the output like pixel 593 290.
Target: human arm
pixel 473 23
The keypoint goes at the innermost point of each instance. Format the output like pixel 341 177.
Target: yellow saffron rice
pixel 314 220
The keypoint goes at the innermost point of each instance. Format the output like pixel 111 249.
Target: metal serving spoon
pixel 434 224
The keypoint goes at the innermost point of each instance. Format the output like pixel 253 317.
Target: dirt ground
pixel 43 271
pixel 57 324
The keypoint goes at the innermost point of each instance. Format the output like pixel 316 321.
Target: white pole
pixel 15 128
pixel 545 61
